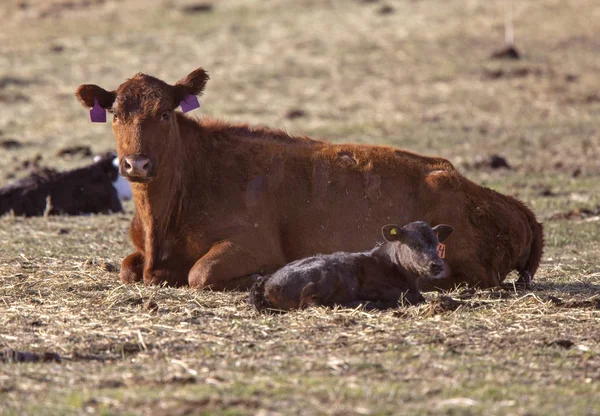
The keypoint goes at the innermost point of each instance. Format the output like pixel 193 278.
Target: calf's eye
pixel 165 115
pixel 115 117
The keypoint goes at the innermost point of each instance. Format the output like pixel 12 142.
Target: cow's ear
pixel 442 231
pixel 392 232
pixel 88 92
pixel 193 84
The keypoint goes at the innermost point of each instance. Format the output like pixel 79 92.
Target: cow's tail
pixel 530 267
pixel 257 296
pixel 537 248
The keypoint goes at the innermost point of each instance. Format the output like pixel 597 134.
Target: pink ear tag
pixel 97 113
pixel 189 103
pixel 441 249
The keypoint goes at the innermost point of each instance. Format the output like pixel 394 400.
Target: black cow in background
pixel 86 190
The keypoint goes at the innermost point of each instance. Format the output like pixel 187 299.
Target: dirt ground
pixel 416 74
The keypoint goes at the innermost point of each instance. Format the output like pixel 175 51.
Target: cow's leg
pixel 169 273
pixel 524 280
pixel 132 268
pixel 231 266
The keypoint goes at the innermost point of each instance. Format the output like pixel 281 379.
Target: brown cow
pixel 218 203
pixel 385 274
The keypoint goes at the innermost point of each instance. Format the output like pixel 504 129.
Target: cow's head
pixel 415 247
pixel 143 119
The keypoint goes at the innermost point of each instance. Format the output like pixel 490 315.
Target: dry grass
pixel 419 77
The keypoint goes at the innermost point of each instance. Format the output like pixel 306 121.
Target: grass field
pixel 416 74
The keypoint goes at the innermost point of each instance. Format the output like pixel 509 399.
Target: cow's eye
pixel 165 115
pixel 115 117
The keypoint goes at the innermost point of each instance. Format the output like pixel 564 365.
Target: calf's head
pixel 415 246
pixel 144 122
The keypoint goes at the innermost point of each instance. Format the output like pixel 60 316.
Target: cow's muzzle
pixel 137 168
pixel 436 267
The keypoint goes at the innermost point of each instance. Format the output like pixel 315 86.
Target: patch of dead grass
pixel 418 77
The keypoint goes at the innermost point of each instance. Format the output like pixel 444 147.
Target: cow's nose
pixel 436 267
pixel 136 166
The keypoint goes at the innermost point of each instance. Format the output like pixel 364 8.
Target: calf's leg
pixel 309 296
pixel 230 266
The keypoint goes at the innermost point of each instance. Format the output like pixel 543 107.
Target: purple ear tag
pixel 97 113
pixel 189 103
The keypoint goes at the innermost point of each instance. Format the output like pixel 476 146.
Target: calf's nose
pixel 436 267
pixel 136 165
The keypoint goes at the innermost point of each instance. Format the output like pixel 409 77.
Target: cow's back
pixel 347 193
pixel 333 279
pixel 298 200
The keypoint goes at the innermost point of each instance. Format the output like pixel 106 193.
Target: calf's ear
pixel 192 84
pixel 392 232
pixel 443 231
pixel 88 92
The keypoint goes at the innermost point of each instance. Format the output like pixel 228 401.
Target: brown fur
pixel 228 201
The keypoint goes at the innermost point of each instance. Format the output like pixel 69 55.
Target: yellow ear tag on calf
pixel 394 231
pixel 441 249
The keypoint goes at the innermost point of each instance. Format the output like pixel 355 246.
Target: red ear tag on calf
pixel 441 249
pixel 97 113
pixel 189 103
